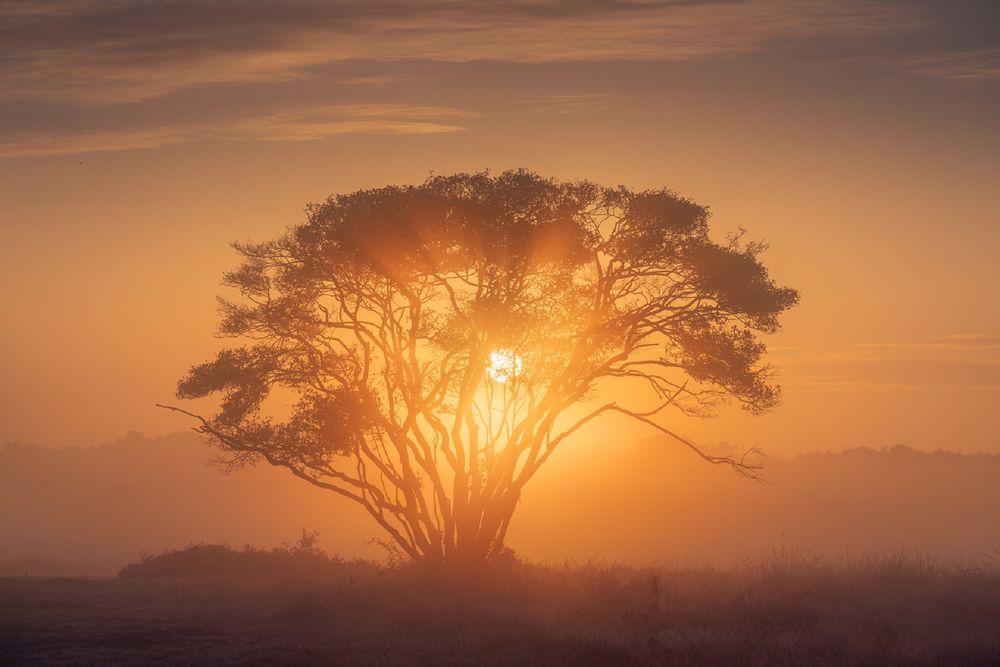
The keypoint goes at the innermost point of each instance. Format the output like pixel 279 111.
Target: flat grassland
pixel 786 610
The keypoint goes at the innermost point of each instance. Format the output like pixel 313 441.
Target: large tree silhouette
pixel 437 343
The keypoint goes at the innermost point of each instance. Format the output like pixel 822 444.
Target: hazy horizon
pixel 92 510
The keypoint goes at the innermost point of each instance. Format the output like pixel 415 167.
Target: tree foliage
pixel 377 316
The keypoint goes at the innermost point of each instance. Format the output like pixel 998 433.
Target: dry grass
pixel 789 609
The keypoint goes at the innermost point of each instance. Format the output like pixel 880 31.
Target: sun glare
pixel 504 365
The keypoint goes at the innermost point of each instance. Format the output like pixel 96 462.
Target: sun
pixel 504 365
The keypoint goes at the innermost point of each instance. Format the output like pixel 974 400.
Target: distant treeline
pixel 93 510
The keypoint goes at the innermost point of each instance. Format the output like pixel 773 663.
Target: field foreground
pixel 787 610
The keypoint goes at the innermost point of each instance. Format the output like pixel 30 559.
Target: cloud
pixel 379 81
pixel 92 52
pixel 955 362
pixel 970 65
pixel 893 374
pixel 568 104
pixel 34 8
pixel 968 342
pixel 306 124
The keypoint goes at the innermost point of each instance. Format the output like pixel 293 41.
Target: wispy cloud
pixel 295 125
pixel 380 81
pixel 974 343
pixel 568 104
pixel 970 65
pixel 96 52
pixel 955 362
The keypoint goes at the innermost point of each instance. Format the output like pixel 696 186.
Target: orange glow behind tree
pixel 436 336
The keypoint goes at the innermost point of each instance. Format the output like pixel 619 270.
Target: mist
pixel 92 510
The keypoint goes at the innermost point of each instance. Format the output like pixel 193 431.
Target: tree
pixel 433 339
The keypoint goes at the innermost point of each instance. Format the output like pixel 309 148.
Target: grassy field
pixel 789 609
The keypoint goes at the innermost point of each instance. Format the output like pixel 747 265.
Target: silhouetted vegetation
pixel 302 560
pixel 792 608
pixel 433 338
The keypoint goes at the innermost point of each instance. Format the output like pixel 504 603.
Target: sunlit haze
pixel 859 140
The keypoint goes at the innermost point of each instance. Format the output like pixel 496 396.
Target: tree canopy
pixel 382 318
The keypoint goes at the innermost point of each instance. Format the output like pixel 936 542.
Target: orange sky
pixel 859 139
